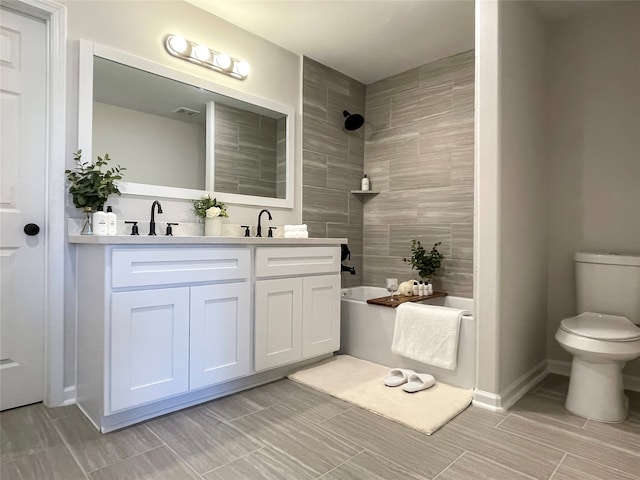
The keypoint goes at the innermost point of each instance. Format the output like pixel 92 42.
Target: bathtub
pixel 367 332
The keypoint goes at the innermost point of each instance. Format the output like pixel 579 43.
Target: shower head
pixel 353 121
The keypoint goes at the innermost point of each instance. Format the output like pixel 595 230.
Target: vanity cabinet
pixel 173 320
pixel 296 317
pixel 149 346
pixel 162 327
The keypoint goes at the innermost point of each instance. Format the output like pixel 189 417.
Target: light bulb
pixel 243 68
pixel 223 60
pixel 202 53
pixel 178 44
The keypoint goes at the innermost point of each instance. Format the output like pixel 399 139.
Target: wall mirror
pixel 181 136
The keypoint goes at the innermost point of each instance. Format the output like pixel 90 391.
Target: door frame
pixel 55 17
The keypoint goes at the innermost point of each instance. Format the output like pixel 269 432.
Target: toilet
pixel 604 336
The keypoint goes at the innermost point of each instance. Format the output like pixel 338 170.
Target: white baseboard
pixel 515 391
pixel 563 368
pixel 69 395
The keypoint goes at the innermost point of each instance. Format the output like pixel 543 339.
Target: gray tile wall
pixel 332 159
pixel 418 153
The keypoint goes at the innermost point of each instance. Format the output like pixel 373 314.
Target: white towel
pixel 428 334
pixel 295 228
pixel 296 234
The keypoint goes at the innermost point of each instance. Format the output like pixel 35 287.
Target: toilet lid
pixel 601 327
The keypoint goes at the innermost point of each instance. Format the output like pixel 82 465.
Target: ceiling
pixel 369 40
pixel 366 40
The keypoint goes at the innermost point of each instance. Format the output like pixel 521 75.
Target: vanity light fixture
pixel 204 56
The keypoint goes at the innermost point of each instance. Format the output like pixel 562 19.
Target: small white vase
pixel 213 227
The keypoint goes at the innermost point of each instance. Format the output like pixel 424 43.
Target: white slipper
pixel 397 377
pixel 419 381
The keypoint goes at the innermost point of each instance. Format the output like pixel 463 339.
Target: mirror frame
pixel 90 49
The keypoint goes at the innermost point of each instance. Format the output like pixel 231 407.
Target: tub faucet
pixel 152 224
pixel 351 270
pixel 259 230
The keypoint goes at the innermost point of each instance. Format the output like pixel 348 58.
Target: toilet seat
pixel 599 326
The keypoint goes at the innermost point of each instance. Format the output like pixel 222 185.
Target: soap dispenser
pixel 112 222
pixel 100 222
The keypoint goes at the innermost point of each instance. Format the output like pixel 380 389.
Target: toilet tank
pixel 608 283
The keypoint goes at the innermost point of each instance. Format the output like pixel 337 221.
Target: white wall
pixel 523 198
pixel 139 28
pixel 155 150
pixel 594 143
pixel 511 232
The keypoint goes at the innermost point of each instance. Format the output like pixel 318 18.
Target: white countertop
pixel 201 240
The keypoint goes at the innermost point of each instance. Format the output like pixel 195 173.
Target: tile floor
pixel 287 431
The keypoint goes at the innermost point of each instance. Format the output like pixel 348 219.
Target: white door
pixel 320 315
pixel 23 79
pixel 278 322
pixel 220 333
pixel 149 346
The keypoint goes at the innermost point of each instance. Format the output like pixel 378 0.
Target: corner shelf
pixel 364 192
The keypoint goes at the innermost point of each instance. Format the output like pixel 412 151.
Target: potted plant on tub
pixel 90 187
pixel 212 212
pixel 426 263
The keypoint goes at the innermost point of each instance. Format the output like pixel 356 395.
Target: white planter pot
pixel 213 227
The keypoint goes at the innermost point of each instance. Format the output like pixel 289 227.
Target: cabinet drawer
pixel 283 261
pixel 132 267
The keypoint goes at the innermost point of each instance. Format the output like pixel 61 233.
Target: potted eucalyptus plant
pixel 426 263
pixel 90 186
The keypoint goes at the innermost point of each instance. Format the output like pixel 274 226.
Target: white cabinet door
pixel 149 346
pixel 321 315
pixel 278 322
pixel 220 333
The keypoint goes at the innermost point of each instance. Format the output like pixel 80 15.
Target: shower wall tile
pixel 343 175
pixel 379 175
pixel 333 160
pixel 356 208
pixel 377 268
pixel 315 100
pixel 432 170
pixel 324 205
pixel 462 167
pixel 356 280
pixel 400 145
pixel 321 137
pixel 445 132
pixel 462 241
pixel 455 278
pixel 452 204
pixel 449 68
pixel 393 85
pixel 378 113
pixel 392 208
pixel 419 154
pixel 375 240
pixel 416 147
pixel 422 102
pixel 317 229
pixel 353 233
pixel 314 173
pixel 400 237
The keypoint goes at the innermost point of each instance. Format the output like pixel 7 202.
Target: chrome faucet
pixel 259 232
pixel 152 224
